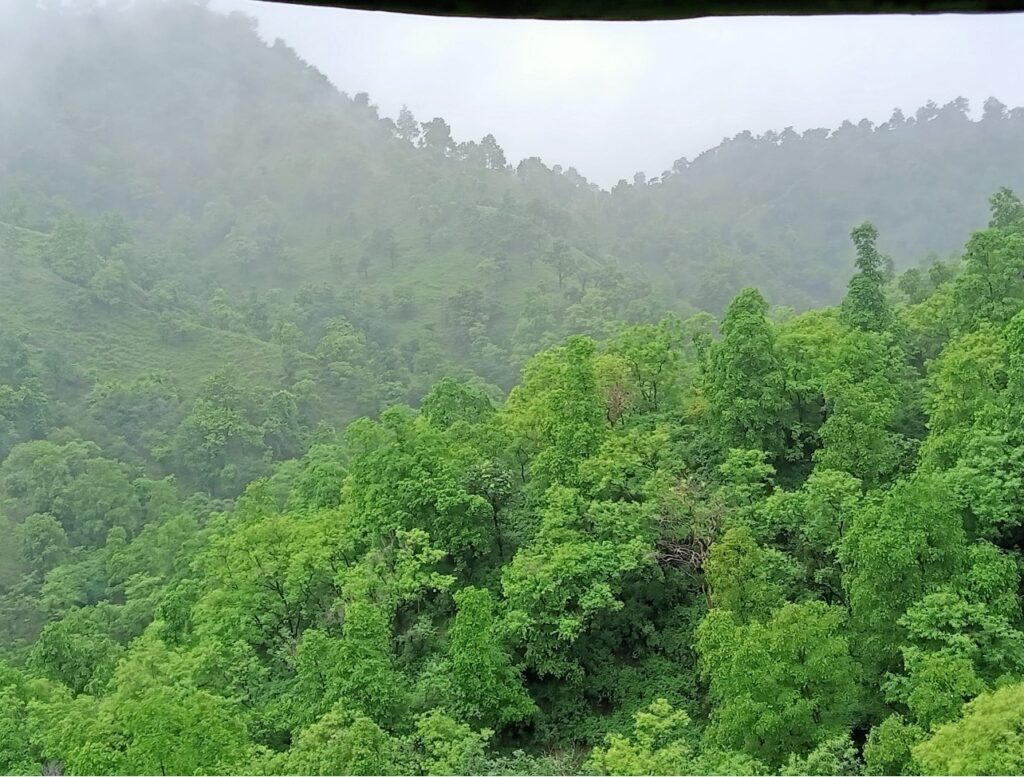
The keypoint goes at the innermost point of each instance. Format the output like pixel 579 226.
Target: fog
pixel 612 98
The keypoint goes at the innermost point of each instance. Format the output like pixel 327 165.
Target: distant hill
pixel 229 188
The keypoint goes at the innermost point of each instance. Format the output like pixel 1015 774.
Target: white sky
pixel 612 98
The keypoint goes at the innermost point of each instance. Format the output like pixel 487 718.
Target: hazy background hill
pixel 172 186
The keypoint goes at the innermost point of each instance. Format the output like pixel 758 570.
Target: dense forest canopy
pixel 329 445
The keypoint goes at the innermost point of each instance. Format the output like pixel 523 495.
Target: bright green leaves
pixel 991 286
pixel 342 742
pixel 900 547
pixel 450 401
pixel 961 640
pixel 779 686
pixel 651 357
pixel 154 721
pixel 988 738
pixel 486 688
pixel 347 742
pixel 810 524
pixel 269 579
pixel 86 493
pixel 77 651
pixel 408 474
pixel 975 407
pixel 442 745
pixel 865 306
pixel 17 753
pixel 557 415
pixel 887 751
pixel 744 579
pixel 745 382
pixel 366 673
pixel 849 389
pixel 662 743
pixel 965 383
pixel 1007 210
pixel 573 571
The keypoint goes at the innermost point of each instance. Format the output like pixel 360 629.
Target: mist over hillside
pixel 233 201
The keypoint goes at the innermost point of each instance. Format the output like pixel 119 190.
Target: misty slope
pixel 783 203
pixel 256 198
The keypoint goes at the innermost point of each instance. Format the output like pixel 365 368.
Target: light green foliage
pixel 900 547
pixel 865 306
pixel 990 288
pixel 17 755
pixel 86 493
pixel 744 382
pixel 369 678
pixel 487 689
pixel 986 740
pixel 836 756
pixel 406 473
pixel 341 742
pixel 888 749
pixel 357 667
pixel 863 393
pixel 556 414
pixel 986 455
pixel 811 523
pixel 961 640
pixel 573 571
pixel 154 721
pixel 965 382
pixel 847 387
pixel 1007 210
pixel 780 686
pixel 935 686
pixel 277 567
pixel 320 479
pixel 746 580
pixel 441 746
pixel 651 357
pixel 77 651
pixel 662 743
pixel 450 401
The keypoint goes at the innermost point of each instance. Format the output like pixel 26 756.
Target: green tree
pixel 865 306
pixel 986 740
pixel 42 543
pixel 778 687
pixel 487 689
pixel 900 547
pixel 556 414
pixel 744 382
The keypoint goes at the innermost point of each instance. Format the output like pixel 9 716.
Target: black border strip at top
pixel 642 10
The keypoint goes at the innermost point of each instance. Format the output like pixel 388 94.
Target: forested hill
pixel 257 170
pixel 331 446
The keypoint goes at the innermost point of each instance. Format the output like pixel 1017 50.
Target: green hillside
pixel 331 446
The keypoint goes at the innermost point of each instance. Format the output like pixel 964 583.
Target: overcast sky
pixel 612 98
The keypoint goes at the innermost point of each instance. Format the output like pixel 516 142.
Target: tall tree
pixel 865 306
pixel 744 382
